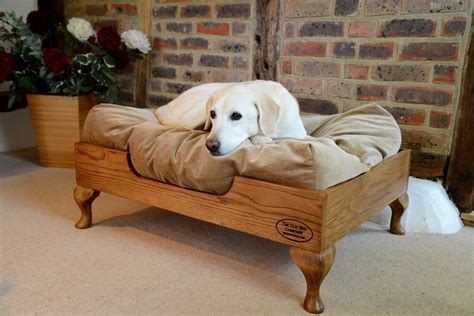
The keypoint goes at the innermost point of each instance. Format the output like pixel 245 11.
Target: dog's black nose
pixel 213 145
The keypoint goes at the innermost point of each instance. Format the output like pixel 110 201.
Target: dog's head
pixel 236 114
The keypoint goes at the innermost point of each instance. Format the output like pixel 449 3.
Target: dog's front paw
pixel 260 140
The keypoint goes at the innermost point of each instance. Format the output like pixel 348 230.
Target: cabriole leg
pixel 84 198
pixel 398 208
pixel 315 267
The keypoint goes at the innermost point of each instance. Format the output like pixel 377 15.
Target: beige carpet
pixel 138 260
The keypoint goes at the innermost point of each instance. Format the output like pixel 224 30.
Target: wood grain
pixel 141 82
pixel 353 202
pixel 57 122
pixel 460 175
pixel 315 267
pixel 251 206
pixel 272 211
pixel 266 39
pixel 398 208
pixel 84 198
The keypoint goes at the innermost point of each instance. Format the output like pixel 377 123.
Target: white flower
pixel 136 40
pixel 80 28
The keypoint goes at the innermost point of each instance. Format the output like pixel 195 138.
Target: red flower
pixel 109 38
pixel 6 65
pixel 39 22
pixel 55 60
pixel 121 59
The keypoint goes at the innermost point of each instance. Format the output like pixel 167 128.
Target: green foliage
pixel 91 68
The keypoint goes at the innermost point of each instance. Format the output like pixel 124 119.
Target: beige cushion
pixel 342 147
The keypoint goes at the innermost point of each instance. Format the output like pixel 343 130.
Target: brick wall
pixel 407 55
pixel 197 42
pixel 334 55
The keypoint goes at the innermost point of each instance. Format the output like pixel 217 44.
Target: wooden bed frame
pixel 309 221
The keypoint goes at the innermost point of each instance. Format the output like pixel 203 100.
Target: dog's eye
pixel 235 116
pixel 213 114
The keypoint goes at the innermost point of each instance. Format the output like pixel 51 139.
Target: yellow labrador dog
pixel 256 110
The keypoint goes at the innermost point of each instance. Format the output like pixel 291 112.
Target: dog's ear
pixel 208 125
pixel 268 114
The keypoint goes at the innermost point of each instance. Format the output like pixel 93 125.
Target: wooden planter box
pixel 57 122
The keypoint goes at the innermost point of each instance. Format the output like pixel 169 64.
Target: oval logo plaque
pixel 294 230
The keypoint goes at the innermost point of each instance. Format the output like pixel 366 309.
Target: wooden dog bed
pixel 309 221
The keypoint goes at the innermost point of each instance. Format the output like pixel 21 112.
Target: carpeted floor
pixel 138 260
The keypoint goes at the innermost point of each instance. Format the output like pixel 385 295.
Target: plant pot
pixel 57 122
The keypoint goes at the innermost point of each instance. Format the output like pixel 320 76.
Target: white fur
pixel 266 107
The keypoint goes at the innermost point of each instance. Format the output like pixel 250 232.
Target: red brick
pixel 420 139
pixel 346 7
pixel 376 50
pixel 407 28
pixel 356 71
pixel 96 9
pixel 322 28
pixel 179 27
pixel 233 45
pixel 433 6
pixel 196 11
pixel 178 59
pixel 240 28
pixel 344 49
pixel 165 12
pixel 289 30
pixel 233 10
pixel 213 28
pixel 106 23
pixel 440 119
pixel 422 95
pixel 163 72
pixel 315 49
pixel 159 42
pixel 214 61
pixel 307 86
pixel 125 8
pixel 286 66
pixel 155 85
pixel 194 43
pixel 229 76
pixel 240 62
pixel 445 74
pixel 340 89
pixel 367 92
pixel 415 73
pixel 361 29
pixel 407 116
pixel 382 7
pixel 454 27
pixel 302 8
pixel 319 106
pixel 194 76
pixel 317 68
pixel 428 51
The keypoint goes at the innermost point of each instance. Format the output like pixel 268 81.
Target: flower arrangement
pixel 86 64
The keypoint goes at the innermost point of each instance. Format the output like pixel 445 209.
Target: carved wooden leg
pixel 84 198
pixel 398 207
pixel 315 267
